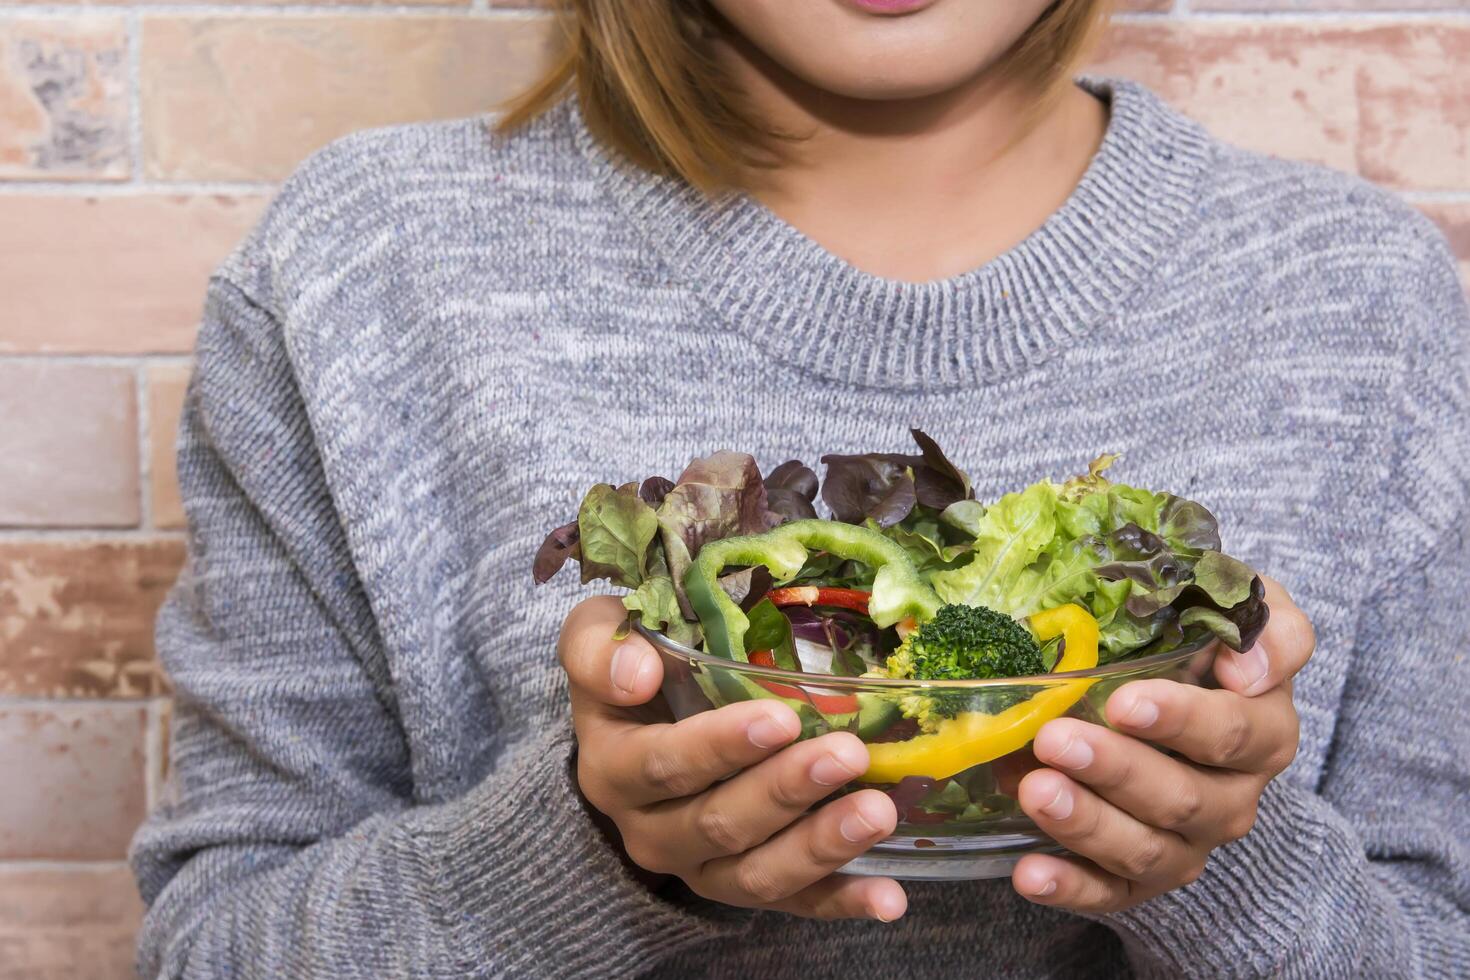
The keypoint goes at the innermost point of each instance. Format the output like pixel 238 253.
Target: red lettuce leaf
pixel 790 490
pixel 876 487
pixel 654 489
pixel 560 544
pixel 937 481
pixel 716 497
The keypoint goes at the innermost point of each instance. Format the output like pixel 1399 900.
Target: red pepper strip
pixel 814 595
pixel 827 704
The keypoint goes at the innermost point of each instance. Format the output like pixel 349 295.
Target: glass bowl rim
pixel 697 658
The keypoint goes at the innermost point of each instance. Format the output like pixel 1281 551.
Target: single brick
pixel 74 778
pixel 63 99
pixel 166 386
pixel 68 924
pixel 76 618
pixel 1389 101
pixel 229 98
pixel 112 275
pixel 69 445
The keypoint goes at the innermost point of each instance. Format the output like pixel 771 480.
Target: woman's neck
pixel 924 188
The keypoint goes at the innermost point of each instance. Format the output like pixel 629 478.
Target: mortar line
pixel 142 188
pixel 152 754
pixel 45 864
pixel 87 534
pixel 39 702
pixel 1435 196
pixel 133 26
pixel 163 359
pixel 144 413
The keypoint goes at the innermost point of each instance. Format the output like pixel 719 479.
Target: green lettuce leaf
pixel 615 529
pixel 656 606
pixel 1009 536
pixel 1227 598
pixel 930 544
pixel 964 515
pixel 1133 505
pixel 1227 581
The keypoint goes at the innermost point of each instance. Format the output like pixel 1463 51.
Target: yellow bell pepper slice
pixel 972 737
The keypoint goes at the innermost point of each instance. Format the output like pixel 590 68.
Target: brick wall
pixel 138 142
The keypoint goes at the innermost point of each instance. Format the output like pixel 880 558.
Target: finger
pixel 1281 651
pixel 848 897
pixel 1071 883
pixel 1091 827
pixel 1213 728
pixel 802 854
pixel 748 809
pixel 645 764
pixel 1204 806
pixel 603 670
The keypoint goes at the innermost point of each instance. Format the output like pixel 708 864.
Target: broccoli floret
pixel 967 642
pixel 959 643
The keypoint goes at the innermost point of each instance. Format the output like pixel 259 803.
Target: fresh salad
pixel 910 579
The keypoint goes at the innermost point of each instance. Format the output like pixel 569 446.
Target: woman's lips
pixel 889 8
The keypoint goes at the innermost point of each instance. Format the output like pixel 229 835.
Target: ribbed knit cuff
pixel 1291 891
pixel 532 888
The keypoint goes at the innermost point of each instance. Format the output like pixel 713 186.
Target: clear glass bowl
pixel 957 813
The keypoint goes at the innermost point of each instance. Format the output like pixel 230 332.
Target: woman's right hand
pixel 720 799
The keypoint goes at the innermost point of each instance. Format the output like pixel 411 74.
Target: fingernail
pixel 856 828
pixel 1076 754
pixel 1046 889
pixel 829 770
pixel 1060 808
pixel 1254 664
pixel 768 731
pixel 627 661
pixel 1143 714
pixel 889 906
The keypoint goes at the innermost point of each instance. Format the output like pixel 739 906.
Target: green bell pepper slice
pixel 898 591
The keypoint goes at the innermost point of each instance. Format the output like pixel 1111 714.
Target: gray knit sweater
pixel 437 339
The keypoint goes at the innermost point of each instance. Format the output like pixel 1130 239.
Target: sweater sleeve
pixel 293 845
pixel 1367 873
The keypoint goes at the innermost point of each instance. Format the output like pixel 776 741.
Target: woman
pixel 782 227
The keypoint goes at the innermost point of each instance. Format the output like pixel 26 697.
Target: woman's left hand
pixel 1141 822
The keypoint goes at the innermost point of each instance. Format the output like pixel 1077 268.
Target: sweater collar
pixel 813 309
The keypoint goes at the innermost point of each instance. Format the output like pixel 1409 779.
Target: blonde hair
pixel 649 89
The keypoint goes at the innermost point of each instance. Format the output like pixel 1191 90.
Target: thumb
pixel 1283 649
pixel 618 672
